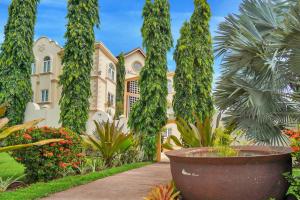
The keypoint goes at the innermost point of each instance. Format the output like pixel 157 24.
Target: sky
pixel 121 21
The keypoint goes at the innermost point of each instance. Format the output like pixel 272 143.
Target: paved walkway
pixel 130 185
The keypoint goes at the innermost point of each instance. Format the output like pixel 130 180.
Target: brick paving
pixel 131 185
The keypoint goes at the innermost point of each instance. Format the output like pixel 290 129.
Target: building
pixel 48 67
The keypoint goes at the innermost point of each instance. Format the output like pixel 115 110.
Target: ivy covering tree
pixel 183 103
pixel 120 86
pixel 16 57
pixel 203 59
pixel 149 114
pixel 82 17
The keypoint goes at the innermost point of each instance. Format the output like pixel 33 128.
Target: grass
pixel 9 167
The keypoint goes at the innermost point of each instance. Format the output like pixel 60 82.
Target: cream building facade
pixel 45 84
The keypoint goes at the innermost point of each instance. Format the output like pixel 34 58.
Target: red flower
pixel 62 142
pixel 79 155
pixel 63 165
pixel 52 144
pixel 27 136
pixel 61 149
pixel 50 154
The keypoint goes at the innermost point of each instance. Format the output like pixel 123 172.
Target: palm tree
pixel 260 61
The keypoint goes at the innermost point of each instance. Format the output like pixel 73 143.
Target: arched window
pixel 47 64
pixel 137 66
pixel 170 86
pixel 111 71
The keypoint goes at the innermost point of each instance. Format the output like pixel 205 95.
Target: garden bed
pixel 39 190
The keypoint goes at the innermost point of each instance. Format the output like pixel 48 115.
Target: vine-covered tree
pixel 82 17
pixel 183 103
pixel 120 86
pixel 203 59
pixel 16 57
pixel 149 114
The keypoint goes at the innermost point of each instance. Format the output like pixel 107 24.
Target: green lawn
pixel 8 168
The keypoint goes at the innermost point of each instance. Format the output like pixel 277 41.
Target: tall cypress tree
pixel 203 59
pixel 120 86
pixel 82 17
pixel 149 114
pixel 16 58
pixel 183 103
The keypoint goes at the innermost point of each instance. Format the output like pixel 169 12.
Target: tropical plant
pixel 6 183
pixel 260 50
pixel 5 132
pixel 197 135
pixel 120 86
pixel 202 55
pixel 163 192
pixel 183 103
pixel 78 62
pixel 47 162
pixel 109 140
pixel 16 58
pixel 149 114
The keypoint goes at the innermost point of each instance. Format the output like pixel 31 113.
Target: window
pixel 133 87
pixel 167 133
pixel 170 86
pixel 137 66
pixel 110 99
pixel 45 95
pixel 47 64
pixel 33 68
pixel 111 71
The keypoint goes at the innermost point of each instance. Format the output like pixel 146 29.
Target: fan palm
pixel 109 140
pixel 7 131
pixel 260 49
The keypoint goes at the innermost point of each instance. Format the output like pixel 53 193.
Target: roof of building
pixel 138 49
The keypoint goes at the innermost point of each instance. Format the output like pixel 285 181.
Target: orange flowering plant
pixel 50 161
pixel 295 139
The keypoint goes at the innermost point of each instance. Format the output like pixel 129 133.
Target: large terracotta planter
pixel 256 176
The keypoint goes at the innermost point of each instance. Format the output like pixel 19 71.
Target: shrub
pixel 109 140
pixel 50 161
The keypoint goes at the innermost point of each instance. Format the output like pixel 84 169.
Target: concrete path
pixel 130 185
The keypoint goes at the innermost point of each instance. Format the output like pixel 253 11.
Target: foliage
pixel 149 114
pixel 294 180
pixel 163 192
pixel 198 135
pixel 134 154
pixel 5 183
pixel 78 62
pixel 183 103
pixel 120 86
pixel 259 48
pixel 47 162
pixel 7 131
pixel 16 57
pixel 109 140
pixel 202 59
pixel 39 190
